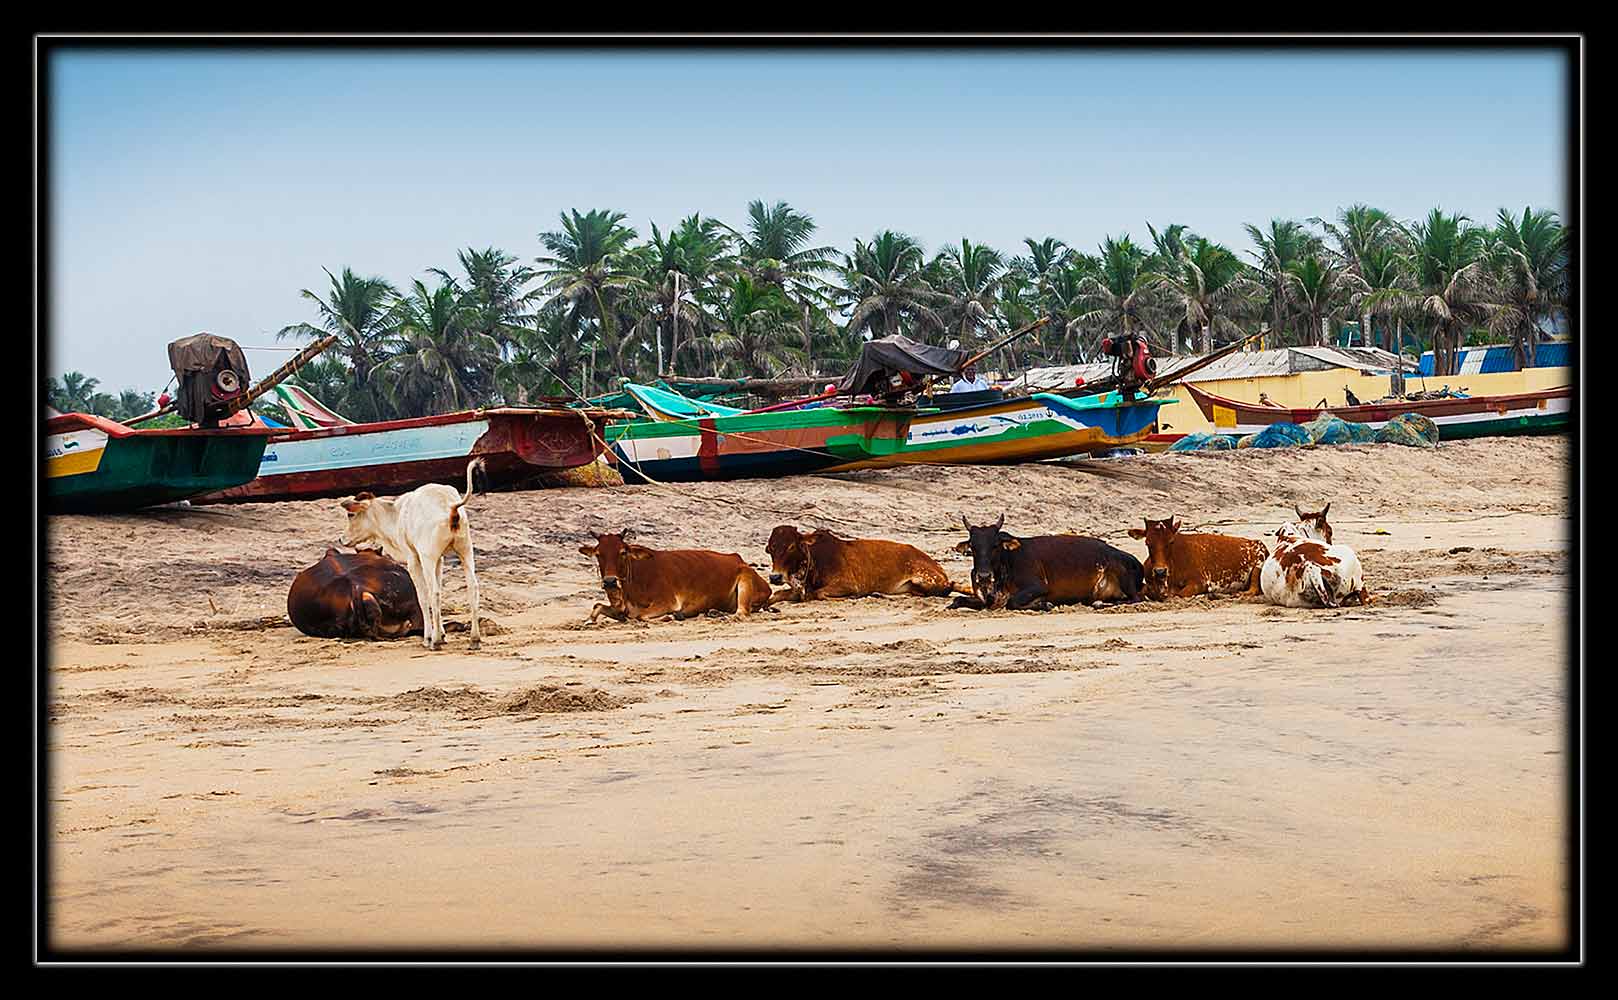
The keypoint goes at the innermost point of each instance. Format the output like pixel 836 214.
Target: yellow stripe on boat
pixel 74 463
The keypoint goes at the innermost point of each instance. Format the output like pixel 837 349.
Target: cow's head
pixel 613 556
pixel 1289 533
pixel 1314 525
pixel 990 548
pixel 787 555
pixel 1158 535
pixel 370 522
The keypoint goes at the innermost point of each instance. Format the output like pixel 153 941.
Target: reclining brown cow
pixel 1044 571
pixel 358 595
pixel 644 583
pixel 1184 564
pixel 819 564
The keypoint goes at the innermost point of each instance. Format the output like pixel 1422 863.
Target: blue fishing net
pixel 1204 441
pixel 1409 429
pixel 1327 429
pixel 1281 435
pixel 1360 433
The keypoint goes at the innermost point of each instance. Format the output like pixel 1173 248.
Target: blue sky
pixel 202 190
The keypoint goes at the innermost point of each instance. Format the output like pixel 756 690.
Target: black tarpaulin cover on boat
pixel 882 358
pixel 198 362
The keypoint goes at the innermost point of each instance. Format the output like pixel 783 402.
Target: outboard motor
pixel 212 375
pixel 1132 362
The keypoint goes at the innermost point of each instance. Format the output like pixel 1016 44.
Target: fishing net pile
pixel 1204 441
pixel 1280 435
pixel 1409 429
pixel 1328 429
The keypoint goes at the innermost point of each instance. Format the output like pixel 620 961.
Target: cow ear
pixel 1137 532
pixel 587 550
pixel 637 552
pixel 357 504
pixel 964 548
pixel 1010 544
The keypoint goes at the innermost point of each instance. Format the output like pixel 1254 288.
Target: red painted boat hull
pixel 396 456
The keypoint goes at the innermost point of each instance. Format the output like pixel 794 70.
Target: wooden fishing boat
pixel 751 445
pixel 1022 429
pixel 94 465
pixel 395 456
pixel 1543 412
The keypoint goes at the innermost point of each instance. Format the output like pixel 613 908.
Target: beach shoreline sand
pixel 874 774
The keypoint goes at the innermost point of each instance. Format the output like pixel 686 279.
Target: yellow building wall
pixel 1309 388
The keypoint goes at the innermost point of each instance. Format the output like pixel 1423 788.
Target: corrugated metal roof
pixel 1498 358
pixel 1241 364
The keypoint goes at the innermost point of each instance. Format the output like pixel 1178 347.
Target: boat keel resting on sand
pixel 95 465
pixel 1542 412
pixel 396 456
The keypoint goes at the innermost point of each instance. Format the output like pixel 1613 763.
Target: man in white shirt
pixel 970 381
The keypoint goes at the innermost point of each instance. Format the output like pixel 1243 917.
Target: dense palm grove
pixel 600 303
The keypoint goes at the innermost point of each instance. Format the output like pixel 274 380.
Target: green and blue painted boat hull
pixel 755 445
pixel 1024 429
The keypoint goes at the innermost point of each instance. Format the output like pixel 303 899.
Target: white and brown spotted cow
pixel 1305 573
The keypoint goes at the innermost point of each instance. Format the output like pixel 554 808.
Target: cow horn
pixel 1000 523
pixel 1298 510
pixel 966 522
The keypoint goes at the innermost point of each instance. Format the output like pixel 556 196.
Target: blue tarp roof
pixel 1487 360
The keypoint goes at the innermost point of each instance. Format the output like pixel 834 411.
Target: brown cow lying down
pixel 646 583
pixel 359 595
pixel 1184 564
pixel 1044 571
pixel 818 564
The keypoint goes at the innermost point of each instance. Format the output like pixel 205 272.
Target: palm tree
pixel 1363 237
pixel 1386 292
pixel 587 266
pixel 1211 288
pixel 775 250
pixel 1530 261
pixel 757 330
pixel 883 285
pixel 968 277
pixel 1286 243
pixel 1120 293
pixel 72 394
pixel 1322 291
pixel 1453 289
pixel 676 271
pixel 497 304
pixel 358 310
pixel 438 363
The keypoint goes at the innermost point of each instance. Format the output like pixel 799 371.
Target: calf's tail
pixel 476 465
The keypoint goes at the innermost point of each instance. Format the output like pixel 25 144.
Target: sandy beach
pixel 874 774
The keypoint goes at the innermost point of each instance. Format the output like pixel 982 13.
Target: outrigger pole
pixel 1152 385
pixel 275 378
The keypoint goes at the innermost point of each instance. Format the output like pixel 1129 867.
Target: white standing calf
pixel 416 530
pixel 1304 573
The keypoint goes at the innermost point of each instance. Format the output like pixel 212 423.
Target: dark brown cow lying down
pixel 354 595
pixel 819 564
pixel 1044 571
pixel 646 583
pixel 1184 564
